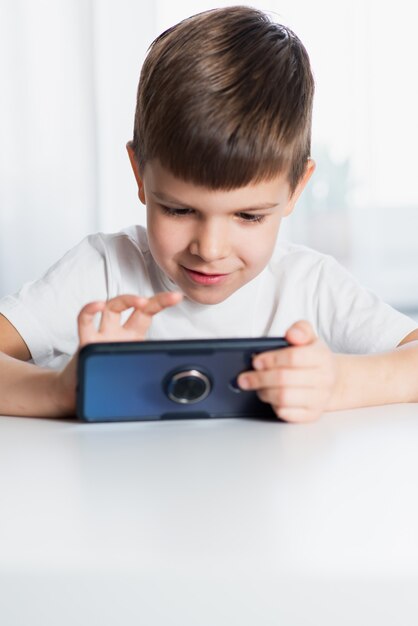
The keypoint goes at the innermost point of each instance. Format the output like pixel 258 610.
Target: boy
pixel 221 153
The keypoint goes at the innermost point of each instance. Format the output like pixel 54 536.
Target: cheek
pixel 258 256
pixel 165 237
pixel 259 246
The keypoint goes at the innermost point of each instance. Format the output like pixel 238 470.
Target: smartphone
pixel 161 380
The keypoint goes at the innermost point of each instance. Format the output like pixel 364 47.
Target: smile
pixel 204 279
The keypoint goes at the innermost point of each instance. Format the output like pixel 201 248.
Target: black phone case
pixel 153 380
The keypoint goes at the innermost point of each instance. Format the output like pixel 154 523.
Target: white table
pixel 211 523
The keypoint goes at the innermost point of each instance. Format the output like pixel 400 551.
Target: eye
pixel 175 212
pixel 243 217
pixel 251 217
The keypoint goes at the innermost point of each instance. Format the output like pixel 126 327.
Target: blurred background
pixel 69 71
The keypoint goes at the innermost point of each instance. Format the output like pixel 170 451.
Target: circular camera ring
pixel 188 386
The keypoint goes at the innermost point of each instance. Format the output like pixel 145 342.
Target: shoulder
pixel 312 275
pixel 98 251
pixel 127 259
pixel 296 260
pixel 289 249
pixel 96 267
pixel 129 238
pixel 125 248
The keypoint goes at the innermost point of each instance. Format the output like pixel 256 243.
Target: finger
pixel 138 322
pixel 123 302
pixel 297 415
pixel 291 397
pixel 161 301
pixel 148 306
pixel 293 357
pixel 141 318
pixel 281 377
pixel 110 319
pixel 85 321
pixel 115 306
pixel 300 333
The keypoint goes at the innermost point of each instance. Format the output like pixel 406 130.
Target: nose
pixel 211 241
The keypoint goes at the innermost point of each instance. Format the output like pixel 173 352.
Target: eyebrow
pixel 165 198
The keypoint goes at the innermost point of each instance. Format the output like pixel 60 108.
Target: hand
pixel 109 329
pixel 135 327
pixel 297 381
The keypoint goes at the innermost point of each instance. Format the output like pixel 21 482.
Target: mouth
pixel 201 278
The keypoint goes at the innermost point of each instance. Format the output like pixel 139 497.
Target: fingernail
pixel 258 364
pixel 298 333
pixel 244 382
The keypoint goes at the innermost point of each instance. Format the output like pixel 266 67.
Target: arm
pixel 303 381
pixel 26 389
pixel 23 386
pixel 386 378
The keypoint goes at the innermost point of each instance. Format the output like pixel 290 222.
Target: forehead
pixel 160 181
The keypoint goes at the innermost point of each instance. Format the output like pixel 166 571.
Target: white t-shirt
pixel 298 283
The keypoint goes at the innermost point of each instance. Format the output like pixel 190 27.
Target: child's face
pixel 211 243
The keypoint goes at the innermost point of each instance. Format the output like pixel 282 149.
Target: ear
pixel 310 168
pixel 140 182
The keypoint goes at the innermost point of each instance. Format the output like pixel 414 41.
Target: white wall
pixel 47 129
pixel 68 71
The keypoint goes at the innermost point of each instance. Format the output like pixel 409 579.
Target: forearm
pixel 27 389
pixel 373 379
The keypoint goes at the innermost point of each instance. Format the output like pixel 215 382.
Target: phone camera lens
pixel 188 386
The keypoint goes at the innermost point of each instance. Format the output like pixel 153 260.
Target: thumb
pixel 300 333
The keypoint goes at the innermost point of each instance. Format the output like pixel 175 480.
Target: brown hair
pixel 225 99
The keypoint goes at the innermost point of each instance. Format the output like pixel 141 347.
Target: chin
pixel 208 298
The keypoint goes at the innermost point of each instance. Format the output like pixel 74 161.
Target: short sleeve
pixel 352 319
pixel 45 311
